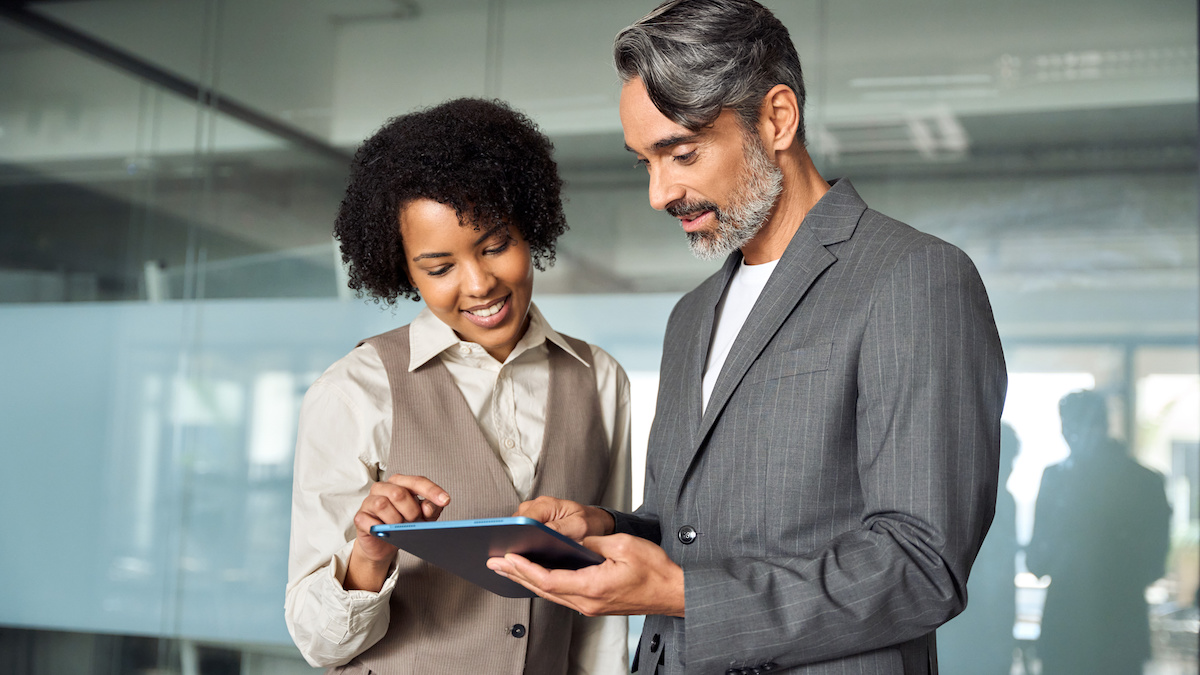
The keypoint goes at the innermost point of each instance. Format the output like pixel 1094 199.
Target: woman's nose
pixel 478 280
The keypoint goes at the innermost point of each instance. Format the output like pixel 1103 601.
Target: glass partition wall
pixel 169 286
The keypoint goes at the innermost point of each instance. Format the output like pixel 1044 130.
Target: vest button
pixel 687 534
pixel 517 631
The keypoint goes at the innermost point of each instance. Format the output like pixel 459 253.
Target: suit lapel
pixel 697 349
pixel 831 220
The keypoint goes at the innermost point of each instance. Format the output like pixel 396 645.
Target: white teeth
pixel 488 311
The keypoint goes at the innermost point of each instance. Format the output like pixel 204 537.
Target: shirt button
pixel 687 534
pixel 464 350
pixel 518 631
pixel 509 443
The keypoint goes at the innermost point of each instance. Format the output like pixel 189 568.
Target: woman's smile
pixel 489 315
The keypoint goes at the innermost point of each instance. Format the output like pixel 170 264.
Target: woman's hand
pixel 399 499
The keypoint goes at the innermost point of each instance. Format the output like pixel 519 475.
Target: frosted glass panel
pixel 149 449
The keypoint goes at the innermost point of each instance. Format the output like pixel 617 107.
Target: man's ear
pixel 779 118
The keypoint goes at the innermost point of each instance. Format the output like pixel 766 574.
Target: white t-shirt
pixel 737 301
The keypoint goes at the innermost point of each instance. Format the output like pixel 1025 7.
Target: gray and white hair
pixel 698 57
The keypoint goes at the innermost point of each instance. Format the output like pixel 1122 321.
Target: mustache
pixel 680 209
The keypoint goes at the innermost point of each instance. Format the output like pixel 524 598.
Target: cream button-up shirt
pixel 342 446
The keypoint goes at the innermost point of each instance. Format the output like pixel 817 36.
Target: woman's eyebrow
pixel 491 232
pixel 431 255
pixel 482 238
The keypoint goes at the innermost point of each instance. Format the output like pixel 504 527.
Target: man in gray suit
pixel 822 466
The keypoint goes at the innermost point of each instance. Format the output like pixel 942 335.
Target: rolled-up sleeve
pixel 342 434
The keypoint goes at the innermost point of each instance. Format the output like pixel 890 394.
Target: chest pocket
pixel 806 359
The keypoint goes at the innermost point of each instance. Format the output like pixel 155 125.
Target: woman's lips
pixel 498 313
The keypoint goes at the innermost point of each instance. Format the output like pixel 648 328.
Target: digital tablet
pixel 464 546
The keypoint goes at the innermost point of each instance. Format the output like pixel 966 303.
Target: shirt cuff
pixel 351 613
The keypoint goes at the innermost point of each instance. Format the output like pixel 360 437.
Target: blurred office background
pixel 169 172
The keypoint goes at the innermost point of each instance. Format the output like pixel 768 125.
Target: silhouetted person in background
pixel 1101 533
pixel 980 640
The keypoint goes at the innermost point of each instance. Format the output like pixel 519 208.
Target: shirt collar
pixel 429 337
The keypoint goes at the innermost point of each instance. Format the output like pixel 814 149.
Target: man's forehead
pixel 646 128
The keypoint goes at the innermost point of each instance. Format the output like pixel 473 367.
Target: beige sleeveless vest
pixel 441 623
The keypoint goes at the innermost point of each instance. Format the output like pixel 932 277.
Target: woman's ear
pixel 779 118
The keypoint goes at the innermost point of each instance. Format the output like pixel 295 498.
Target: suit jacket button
pixel 687 534
pixel 517 631
pixel 654 642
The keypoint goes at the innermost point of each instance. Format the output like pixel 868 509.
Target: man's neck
pixel 803 187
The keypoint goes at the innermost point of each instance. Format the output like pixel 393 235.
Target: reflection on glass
pixel 1101 535
pixel 981 640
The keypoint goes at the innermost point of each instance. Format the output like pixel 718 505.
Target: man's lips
pixel 694 221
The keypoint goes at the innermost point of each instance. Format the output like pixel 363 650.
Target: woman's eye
pixel 438 271
pixel 499 248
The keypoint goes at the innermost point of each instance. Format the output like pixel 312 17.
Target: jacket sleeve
pixel 930 389
pixel 640 523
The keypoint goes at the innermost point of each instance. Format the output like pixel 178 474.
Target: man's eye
pixel 641 163
pixel 685 158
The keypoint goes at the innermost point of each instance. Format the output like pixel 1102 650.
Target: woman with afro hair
pixel 471 409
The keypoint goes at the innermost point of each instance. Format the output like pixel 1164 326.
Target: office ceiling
pixel 927 89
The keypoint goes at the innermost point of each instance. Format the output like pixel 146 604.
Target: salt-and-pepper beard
pixel 749 209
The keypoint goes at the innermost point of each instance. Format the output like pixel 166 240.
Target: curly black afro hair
pixel 481 158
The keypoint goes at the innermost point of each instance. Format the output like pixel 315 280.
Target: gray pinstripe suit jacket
pixel 844 473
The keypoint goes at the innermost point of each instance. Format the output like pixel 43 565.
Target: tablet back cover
pixel 464 546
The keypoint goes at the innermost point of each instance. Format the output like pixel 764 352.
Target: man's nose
pixel 664 190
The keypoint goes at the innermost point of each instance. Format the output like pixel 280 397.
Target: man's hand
pixel 399 499
pixel 570 519
pixel 637 577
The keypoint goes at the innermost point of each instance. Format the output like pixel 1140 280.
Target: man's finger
pixel 618 546
pixel 534 577
pixel 542 509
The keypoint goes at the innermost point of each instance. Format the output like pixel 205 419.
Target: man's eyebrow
pixel 669 141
